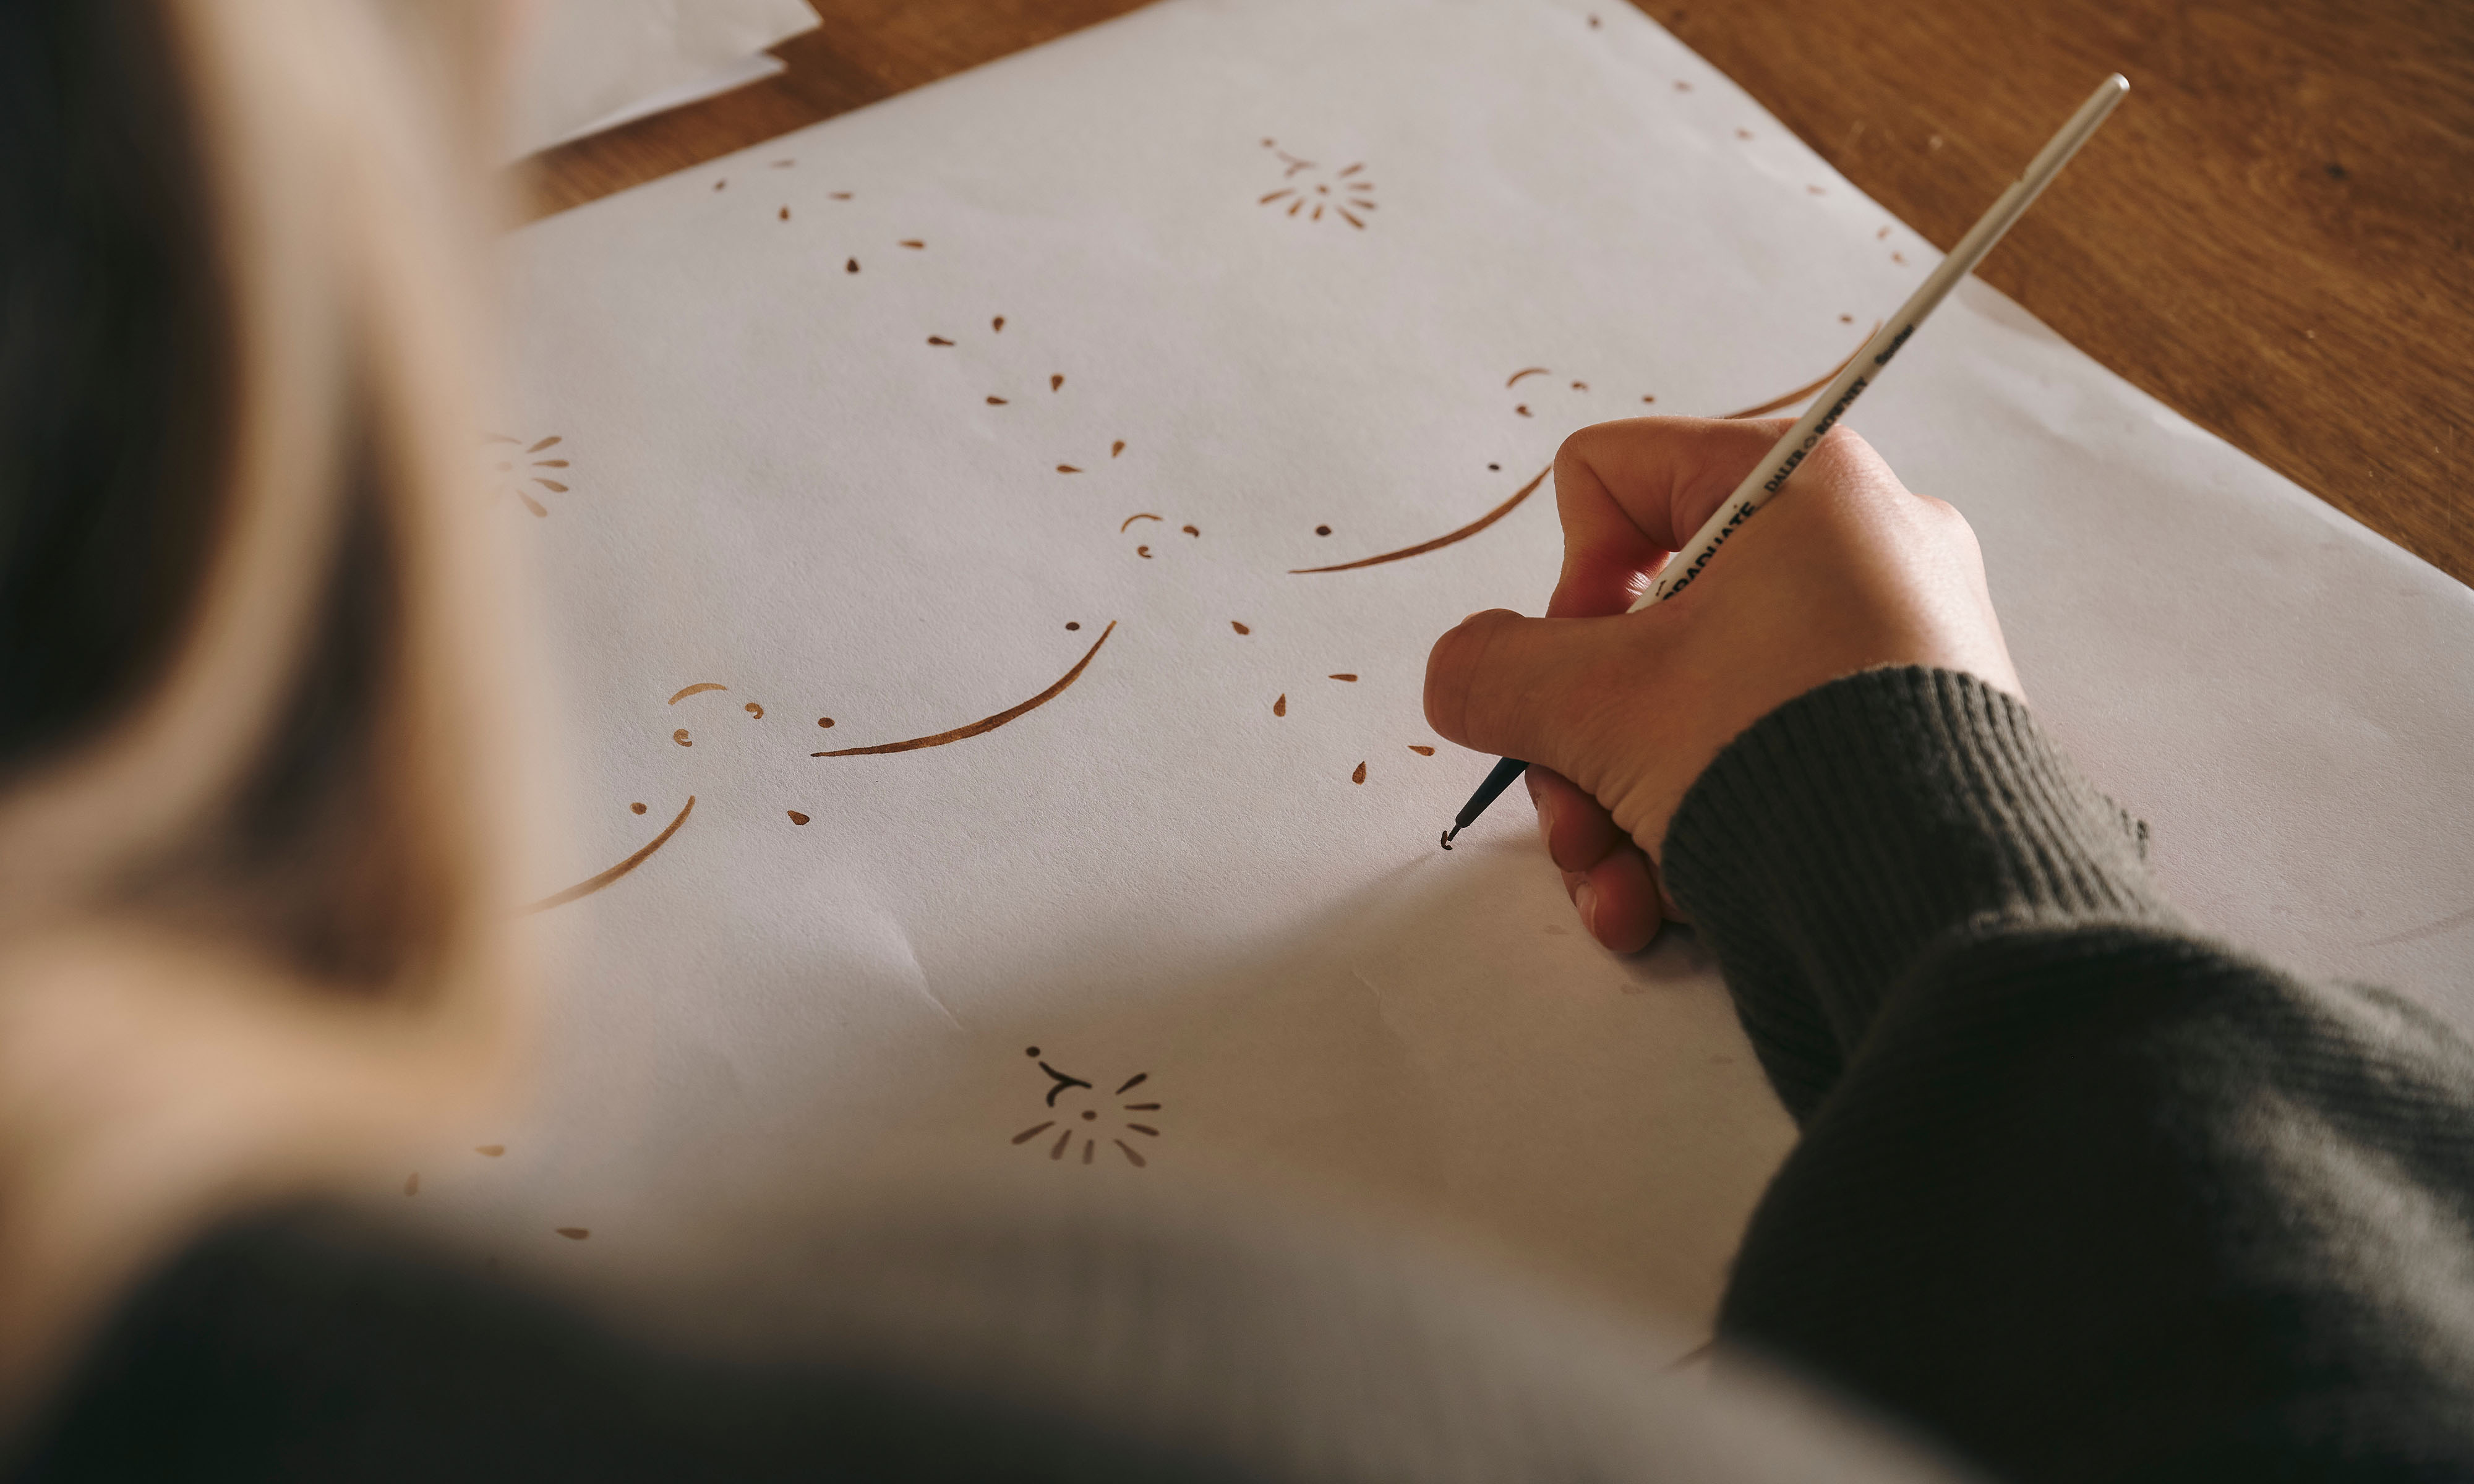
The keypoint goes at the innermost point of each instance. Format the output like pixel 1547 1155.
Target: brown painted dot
pixel 1031 1051
pixel 1422 751
pixel 492 1150
pixel 1088 1115
pixel 754 710
pixel 1649 398
pixel 1322 530
pixel 850 265
pixel 824 721
pixel 1116 448
pixel 1056 382
pixel 797 818
pixel 785 213
pixel 1359 777
pixel 680 737
pixel 1594 23
pixel 1240 628
pixel 1523 410
pixel 912 243
pixel 718 185
pixel 1143 552
pixel 635 809
pixel 996 402
pixel 1495 467
pixel 1070 626
pixel 575 1233
pixel 938 340
pixel 1190 531
pixel 997 324
pixel 1067 468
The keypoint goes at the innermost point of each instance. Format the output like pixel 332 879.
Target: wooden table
pixel 2274 235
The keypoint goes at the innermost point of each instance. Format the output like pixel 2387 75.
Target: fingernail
pixel 1585 897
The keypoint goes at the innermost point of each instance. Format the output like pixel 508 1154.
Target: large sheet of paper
pixel 1113 428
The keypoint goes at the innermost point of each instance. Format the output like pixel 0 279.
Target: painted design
pixel 1076 1110
pixel 1307 190
pixel 513 467
pixel 985 723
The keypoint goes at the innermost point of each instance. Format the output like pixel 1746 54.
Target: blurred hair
pixel 245 641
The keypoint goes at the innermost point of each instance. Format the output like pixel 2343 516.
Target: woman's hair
pixel 245 637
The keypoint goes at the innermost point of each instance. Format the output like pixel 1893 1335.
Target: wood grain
pixel 2274 235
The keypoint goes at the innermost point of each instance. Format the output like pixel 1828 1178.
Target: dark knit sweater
pixel 2081 1194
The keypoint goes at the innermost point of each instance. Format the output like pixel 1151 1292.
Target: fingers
pixel 1526 687
pixel 1630 492
pixel 1611 883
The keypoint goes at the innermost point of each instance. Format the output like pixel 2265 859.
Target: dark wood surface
pixel 2274 235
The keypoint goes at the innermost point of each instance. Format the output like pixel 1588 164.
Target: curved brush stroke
pixel 587 888
pixel 697 688
pixel 987 723
pixel 1137 515
pixel 1461 534
pixel 1533 370
pixel 1803 392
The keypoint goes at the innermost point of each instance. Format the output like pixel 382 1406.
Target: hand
pixel 1617 713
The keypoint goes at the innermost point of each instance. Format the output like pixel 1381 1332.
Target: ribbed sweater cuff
pixel 1868 821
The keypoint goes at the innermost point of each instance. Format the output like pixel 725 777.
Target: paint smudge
pixel 1810 387
pixel 984 724
pixel 636 809
pixel 1280 708
pixel 1743 133
pixel 754 710
pixel 680 737
pixel 1240 628
pixel 575 1233
pixel 797 818
pixel 412 1183
pixel 1351 679
pixel 1359 777
pixel 718 185
pixel 1815 190
pixel 697 689
pixel 1899 257
pixel 1140 514
pixel 1422 751
pixel 494 1151
pixel 1441 541
pixel 593 884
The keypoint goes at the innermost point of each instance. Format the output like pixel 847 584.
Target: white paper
pixel 588 65
pixel 774 482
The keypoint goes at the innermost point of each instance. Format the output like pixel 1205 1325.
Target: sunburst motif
pixel 1073 1121
pixel 1311 189
pixel 510 472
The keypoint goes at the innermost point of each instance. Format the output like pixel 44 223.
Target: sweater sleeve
pixel 2080 1190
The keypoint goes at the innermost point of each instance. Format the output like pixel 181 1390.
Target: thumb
pixel 1532 689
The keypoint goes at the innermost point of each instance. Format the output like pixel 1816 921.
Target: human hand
pixel 1618 713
